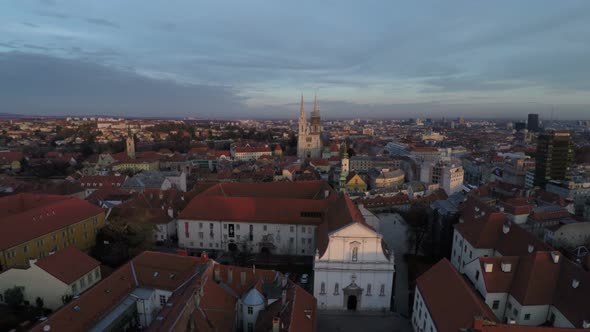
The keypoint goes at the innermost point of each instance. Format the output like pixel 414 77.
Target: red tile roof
pixel 276 202
pixel 465 303
pixel 83 313
pixel 340 213
pixel 252 209
pixel 8 156
pixel 572 302
pixel 68 264
pixel 535 279
pixel 498 281
pixel 28 216
pixel 487 231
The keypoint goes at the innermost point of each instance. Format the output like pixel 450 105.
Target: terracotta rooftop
pixel 68 264
pixel 466 304
pixel 84 312
pixel 28 216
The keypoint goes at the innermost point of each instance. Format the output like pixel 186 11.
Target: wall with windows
pixel 36 282
pixel 463 252
pixel 421 318
pixel 82 234
pixel 474 273
pixel 526 315
pixel 283 239
pixel 148 306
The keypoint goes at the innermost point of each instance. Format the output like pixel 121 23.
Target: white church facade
pixel 355 271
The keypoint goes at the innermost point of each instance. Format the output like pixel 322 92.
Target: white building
pixel 248 152
pixel 353 269
pixel 520 278
pixel 275 217
pixel 448 175
pixel 66 273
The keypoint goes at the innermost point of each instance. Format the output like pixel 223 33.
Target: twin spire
pixel 316 108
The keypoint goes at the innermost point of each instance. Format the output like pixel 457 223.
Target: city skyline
pixel 254 59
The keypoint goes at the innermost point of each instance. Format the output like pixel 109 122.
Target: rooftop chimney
pixel 284 297
pixel 531 248
pixel 243 277
pixel 230 275
pixel 506 229
pixel 276 324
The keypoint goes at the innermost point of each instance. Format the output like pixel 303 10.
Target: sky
pixel 253 59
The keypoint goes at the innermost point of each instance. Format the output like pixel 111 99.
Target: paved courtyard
pixel 344 321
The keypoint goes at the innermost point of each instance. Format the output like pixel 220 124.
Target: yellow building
pixel 33 225
pixel 355 183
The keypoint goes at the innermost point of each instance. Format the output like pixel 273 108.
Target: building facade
pixel 555 154
pixel 54 279
pixel 309 143
pixel 355 271
pixel 36 225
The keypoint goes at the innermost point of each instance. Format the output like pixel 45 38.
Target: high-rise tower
pixel 309 143
pixel 533 122
pixel 555 154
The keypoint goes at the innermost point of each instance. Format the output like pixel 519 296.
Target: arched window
pixel 336 289
pixel 323 288
pixel 368 289
pixel 382 291
pixel 355 254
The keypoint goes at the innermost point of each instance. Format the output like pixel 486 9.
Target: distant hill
pixel 12 116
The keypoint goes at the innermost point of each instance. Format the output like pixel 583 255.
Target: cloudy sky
pixel 253 59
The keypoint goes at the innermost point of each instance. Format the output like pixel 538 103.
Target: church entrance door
pixel 351 302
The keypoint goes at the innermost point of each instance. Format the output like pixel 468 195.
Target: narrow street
pixel 393 229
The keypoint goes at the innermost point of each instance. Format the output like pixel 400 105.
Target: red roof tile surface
pixel 28 216
pixel 465 303
pixel 68 264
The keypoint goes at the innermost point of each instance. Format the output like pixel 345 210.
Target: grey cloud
pixel 102 22
pixel 52 14
pixel 39 84
pixel 31 25
pixel 36 47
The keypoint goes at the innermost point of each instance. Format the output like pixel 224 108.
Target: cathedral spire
pixel 301 108
pixel 316 108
